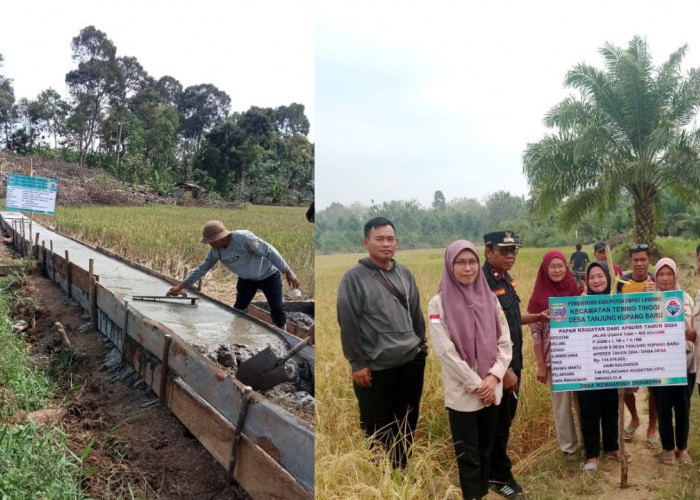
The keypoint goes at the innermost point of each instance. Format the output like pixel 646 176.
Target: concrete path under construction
pixel 205 323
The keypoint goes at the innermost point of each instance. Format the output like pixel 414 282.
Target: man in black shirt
pixel 578 262
pixel 501 250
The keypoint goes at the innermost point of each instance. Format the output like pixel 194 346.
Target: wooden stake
pixel 36 246
pixel 93 292
pixel 53 264
pixel 237 432
pixel 125 329
pixel 164 366
pixel 621 436
pixel 64 338
pixel 24 245
pixel 68 278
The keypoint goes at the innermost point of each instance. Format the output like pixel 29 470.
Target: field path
pixel 645 467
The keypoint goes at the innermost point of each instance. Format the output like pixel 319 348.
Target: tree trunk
pixel 119 142
pixel 644 222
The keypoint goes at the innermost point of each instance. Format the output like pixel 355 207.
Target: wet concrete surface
pixel 202 324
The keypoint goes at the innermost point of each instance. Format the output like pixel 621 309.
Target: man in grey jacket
pixel 383 335
pixel 257 264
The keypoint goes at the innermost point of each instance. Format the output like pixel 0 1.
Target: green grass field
pixel 35 462
pixel 166 238
pixel 343 467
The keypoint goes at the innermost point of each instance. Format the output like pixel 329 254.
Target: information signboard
pixel 613 341
pixel 31 194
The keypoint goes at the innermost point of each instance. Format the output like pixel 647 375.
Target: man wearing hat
pixel 501 250
pixel 256 263
pixel 599 252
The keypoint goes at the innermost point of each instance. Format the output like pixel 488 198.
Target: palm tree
pixel 627 133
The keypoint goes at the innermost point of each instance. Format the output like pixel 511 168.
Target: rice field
pixel 346 468
pixel 166 237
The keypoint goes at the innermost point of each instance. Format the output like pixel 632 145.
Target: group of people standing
pixel 475 325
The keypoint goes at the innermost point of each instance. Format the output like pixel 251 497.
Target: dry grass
pixel 345 468
pixel 166 237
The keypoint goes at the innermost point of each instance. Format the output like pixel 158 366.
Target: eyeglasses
pixel 506 250
pixel 638 247
pixel 465 262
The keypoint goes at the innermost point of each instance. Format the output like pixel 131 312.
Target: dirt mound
pixel 95 186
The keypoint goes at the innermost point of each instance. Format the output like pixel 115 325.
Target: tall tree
pixel 28 116
pixel 90 85
pixel 52 111
pixel 291 120
pixel 7 102
pixel 171 89
pixel 201 108
pixel 625 133
pixel 129 78
pixel 502 206
pixel 439 203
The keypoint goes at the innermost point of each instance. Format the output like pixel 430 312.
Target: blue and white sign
pixel 31 194
pixel 614 341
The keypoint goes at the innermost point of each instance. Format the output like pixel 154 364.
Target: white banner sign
pixel 31 194
pixel 613 341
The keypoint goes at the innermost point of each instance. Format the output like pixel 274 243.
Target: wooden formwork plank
pixel 144 363
pixel 294 329
pixel 49 265
pixel 149 333
pixel 110 304
pixel 279 433
pixel 110 330
pixel 61 265
pixel 80 278
pixel 80 297
pixel 147 365
pixel 255 471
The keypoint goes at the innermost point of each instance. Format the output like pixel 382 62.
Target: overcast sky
pixel 261 53
pixel 444 95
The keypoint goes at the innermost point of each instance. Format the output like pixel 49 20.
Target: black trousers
pixel 691 386
pixel 670 400
pixel 599 412
pixel 389 407
pixel 500 462
pixel 472 435
pixel 271 287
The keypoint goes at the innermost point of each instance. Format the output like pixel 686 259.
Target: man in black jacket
pixel 501 250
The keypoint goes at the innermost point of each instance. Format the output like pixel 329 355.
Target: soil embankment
pixel 138 447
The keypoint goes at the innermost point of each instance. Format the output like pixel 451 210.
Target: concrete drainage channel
pixel 272 456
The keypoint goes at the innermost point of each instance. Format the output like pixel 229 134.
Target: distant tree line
pixel 154 131
pixel 339 227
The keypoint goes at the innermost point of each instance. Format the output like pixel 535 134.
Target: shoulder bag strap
pixel 386 284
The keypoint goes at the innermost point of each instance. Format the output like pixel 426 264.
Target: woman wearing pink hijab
pixel 470 336
pixel 554 279
pixel 675 399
